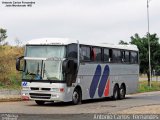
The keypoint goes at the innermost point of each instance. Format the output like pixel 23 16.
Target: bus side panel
pixel 118 73
pixel 87 73
pixel 127 74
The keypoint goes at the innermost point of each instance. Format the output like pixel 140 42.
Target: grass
pixel 9 77
pixel 143 86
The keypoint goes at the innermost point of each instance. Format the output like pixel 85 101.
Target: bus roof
pixel 66 41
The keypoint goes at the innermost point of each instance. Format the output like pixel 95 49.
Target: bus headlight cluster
pixel 57 89
pixel 25 88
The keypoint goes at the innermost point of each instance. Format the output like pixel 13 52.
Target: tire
pixel 122 92
pixel 76 97
pixel 115 92
pixel 39 102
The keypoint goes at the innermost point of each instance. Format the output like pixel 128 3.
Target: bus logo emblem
pixel 24 83
pixel 100 83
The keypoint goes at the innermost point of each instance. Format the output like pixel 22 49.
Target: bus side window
pixel 85 53
pixel 96 54
pixel 122 56
pixel 106 55
pixel 117 56
pixel 126 57
pixel 72 51
pixel 134 57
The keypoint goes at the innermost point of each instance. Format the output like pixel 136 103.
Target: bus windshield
pixel 45 51
pixel 44 63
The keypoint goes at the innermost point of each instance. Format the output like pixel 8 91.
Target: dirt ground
pixel 151 109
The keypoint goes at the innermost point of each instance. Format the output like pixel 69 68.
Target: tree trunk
pixel 148 75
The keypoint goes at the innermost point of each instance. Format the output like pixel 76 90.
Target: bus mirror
pixel 68 66
pixel 18 63
pixel 64 65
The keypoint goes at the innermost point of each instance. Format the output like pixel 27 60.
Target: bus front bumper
pixel 43 96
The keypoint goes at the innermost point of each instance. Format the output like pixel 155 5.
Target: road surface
pixel 30 110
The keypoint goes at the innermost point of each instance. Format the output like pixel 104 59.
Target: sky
pixel 105 21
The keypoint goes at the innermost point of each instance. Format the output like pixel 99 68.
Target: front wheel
pixel 39 102
pixel 76 97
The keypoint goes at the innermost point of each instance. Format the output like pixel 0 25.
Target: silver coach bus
pixel 56 69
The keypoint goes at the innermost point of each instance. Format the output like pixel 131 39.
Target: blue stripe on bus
pixel 95 81
pixel 103 81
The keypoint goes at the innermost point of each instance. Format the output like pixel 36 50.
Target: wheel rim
pixel 116 94
pixel 75 97
pixel 122 92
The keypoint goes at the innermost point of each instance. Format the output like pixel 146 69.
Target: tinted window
pixel 106 55
pixel 72 51
pixel 85 53
pixel 97 56
pixel 134 57
pixel 116 56
pixel 126 58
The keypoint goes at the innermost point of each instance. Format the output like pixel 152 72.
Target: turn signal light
pixel 61 89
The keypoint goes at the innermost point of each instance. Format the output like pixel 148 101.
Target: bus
pixel 62 70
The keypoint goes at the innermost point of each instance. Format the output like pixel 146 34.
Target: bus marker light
pixel 61 89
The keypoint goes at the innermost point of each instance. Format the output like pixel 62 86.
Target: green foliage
pixel 142 44
pixel 143 86
pixel 3 35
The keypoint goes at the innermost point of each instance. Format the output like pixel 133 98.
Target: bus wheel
pixel 122 92
pixel 76 97
pixel 115 92
pixel 39 102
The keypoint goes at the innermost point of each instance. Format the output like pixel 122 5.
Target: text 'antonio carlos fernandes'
pixel 126 117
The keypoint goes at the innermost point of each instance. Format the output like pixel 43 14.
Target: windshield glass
pixel 38 68
pixel 43 70
pixel 45 51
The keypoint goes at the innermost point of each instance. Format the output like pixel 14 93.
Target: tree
pixel 3 35
pixel 142 44
pixel 121 42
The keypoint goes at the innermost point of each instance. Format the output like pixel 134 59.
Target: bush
pixel 9 77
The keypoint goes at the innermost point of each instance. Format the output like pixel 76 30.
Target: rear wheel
pixel 115 92
pixel 76 97
pixel 39 102
pixel 122 92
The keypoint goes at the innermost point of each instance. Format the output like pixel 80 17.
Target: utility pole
pixel 149 50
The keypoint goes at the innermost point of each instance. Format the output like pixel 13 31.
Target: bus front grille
pixel 47 89
pixel 40 96
pixel 34 88
pixel 37 88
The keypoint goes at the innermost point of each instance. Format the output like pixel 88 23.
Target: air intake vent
pixel 40 96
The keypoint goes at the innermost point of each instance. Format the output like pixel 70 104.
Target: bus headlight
pixel 57 89
pixel 25 88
